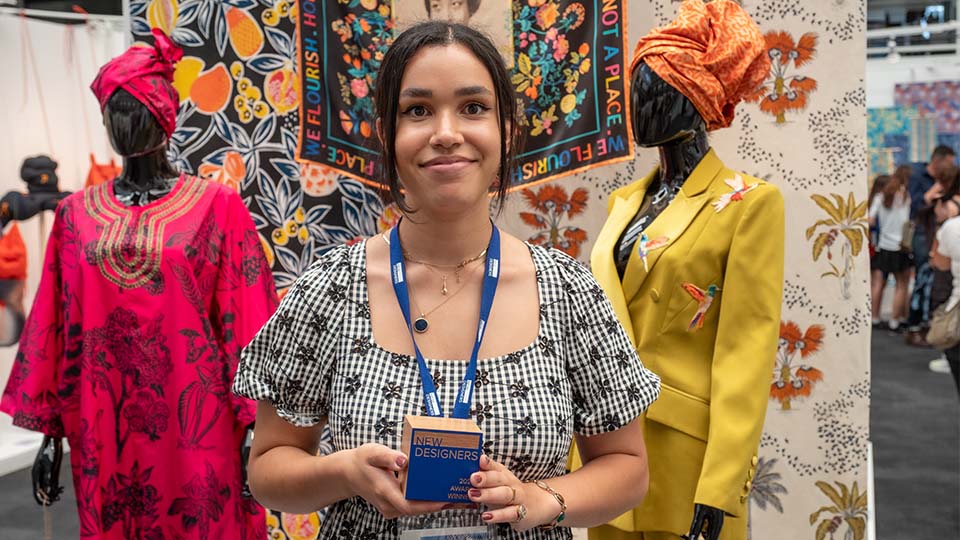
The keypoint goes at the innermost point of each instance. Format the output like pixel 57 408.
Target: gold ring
pixel 513 495
pixel 521 513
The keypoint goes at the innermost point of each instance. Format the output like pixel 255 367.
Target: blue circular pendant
pixel 420 325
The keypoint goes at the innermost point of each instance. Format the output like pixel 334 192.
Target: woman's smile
pixel 448 165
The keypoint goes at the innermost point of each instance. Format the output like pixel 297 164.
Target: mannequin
pixel 43 191
pixel 692 259
pixel 665 119
pixel 147 176
pixel 151 285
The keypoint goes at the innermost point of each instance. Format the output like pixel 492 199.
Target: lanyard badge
pixel 491 278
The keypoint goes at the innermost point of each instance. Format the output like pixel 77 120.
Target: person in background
pixel 456 11
pixel 875 188
pixel 945 263
pixel 889 212
pixel 924 192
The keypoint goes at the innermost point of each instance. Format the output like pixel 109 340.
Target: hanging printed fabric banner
pixel 568 69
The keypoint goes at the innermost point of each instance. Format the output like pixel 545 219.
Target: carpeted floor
pixel 914 425
pixel 915 429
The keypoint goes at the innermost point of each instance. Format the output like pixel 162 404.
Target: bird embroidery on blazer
pixel 704 298
pixel 740 188
pixel 645 246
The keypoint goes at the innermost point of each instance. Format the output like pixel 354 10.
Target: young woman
pixel 889 212
pixel 553 365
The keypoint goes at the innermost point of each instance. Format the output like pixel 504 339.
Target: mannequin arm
pixel 46 471
pixel 707 521
pixel 244 458
pixel 744 352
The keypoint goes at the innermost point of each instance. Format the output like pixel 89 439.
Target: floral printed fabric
pixel 712 53
pixel 238 122
pixel 568 73
pixel 130 350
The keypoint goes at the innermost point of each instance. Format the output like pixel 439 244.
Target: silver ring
pixel 521 513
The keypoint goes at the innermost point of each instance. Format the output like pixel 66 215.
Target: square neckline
pixel 365 299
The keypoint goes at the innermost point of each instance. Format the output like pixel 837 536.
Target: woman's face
pixel 450 10
pixel 447 137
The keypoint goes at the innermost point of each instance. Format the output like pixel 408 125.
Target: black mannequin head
pixel 137 136
pixel 661 114
pixel 130 125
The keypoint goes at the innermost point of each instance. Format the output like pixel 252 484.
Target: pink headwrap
pixel 147 73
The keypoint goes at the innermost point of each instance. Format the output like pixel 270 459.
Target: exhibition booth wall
pixel 814 451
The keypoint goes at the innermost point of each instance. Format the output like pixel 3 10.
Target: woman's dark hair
pixel 949 178
pixel 472 6
pixel 879 183
pixel 890 190
pixel 903 173
pixel 387 96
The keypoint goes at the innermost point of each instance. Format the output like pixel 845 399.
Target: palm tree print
pixel 765 490
pixel 846 227
pixel 848 511
pixel 552 204
pixel 790 379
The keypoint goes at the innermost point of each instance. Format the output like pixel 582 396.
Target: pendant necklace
pixel 421 324
pixel 457 268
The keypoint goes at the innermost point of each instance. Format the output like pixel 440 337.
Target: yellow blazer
pixel 703 432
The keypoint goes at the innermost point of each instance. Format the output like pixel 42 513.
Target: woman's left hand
pixel 503 493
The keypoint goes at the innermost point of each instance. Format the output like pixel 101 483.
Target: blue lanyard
pixel 491 277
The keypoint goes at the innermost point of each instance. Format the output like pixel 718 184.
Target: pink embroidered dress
pixel 130 351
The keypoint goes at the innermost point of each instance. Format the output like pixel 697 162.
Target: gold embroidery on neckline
pixel 147 245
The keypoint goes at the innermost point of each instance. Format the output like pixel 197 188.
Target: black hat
pixel 40 174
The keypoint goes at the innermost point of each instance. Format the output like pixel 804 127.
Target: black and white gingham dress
pixel 316 358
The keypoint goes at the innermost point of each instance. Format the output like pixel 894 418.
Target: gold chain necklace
pixel 457 268
pixel 421 324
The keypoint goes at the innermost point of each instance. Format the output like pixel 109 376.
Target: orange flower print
pixel 782 92
pixel 231 173
pixel 318 180
pixel 391 216
pixel 551 204
pixel 790 381
pixel 547 15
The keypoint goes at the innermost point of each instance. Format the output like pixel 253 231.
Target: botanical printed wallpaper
pixel 802 130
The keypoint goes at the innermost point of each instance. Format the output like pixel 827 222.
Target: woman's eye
pixel 475 108
pixel 416 111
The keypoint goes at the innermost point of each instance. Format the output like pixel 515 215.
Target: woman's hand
pixel 498 488
pixel 372 474
pixel 932 194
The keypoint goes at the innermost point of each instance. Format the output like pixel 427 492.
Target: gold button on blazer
pixel 722 234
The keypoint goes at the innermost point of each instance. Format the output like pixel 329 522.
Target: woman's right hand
pixel 934 193
pixel 372 474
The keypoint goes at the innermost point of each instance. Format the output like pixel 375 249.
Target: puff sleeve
pixel 291 359
pixel 611 387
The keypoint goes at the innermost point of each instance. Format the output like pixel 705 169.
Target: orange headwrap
pixel 713 54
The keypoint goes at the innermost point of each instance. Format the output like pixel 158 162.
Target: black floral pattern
pixel 202 505
pixel 131 501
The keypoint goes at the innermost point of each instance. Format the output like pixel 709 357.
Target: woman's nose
pixel 447 131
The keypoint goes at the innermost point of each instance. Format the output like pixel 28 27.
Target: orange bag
pixel 13 255
pixel 100 173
